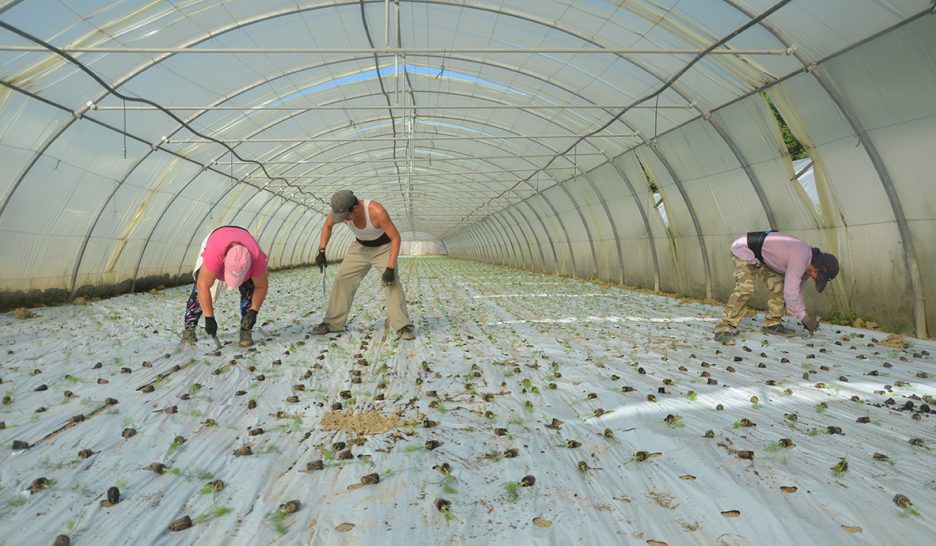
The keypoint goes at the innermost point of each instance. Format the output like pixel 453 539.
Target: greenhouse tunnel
pixel 611 143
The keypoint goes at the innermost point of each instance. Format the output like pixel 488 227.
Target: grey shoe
pixel 189 337
pixel 321 329
pixel 406 333
pixel 727 337
pixel 246 338
pixel 779 330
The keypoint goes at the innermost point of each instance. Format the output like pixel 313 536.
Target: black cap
pixel 828 267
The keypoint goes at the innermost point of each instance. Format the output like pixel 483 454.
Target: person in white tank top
pixel 378 245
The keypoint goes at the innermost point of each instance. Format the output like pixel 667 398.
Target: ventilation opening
pixel 656 197
pixel 803 168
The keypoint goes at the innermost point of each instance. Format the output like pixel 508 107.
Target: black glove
pixel 811 323
pixel 321 261
pixel 247 323
pixel 211 326
pixel 389 275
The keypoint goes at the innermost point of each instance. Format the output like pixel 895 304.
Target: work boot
pixel 727 337
pixel 246 338
pixel 189 337
pixel 779 330
pixel 321 329
pixel 406 333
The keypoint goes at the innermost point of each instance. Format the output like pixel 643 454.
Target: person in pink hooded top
pixel 230 256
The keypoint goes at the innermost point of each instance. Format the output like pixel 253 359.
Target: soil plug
pixel 345 455
pixel 181 524
pixel 39 484
pixel 370 479
pixel 527 481
pixel 747 455
pixel 842 466
pixel 243 451
pixel 113 497
pixel 128 433
pixel 61 540
pixel 19 444
pixel 608 433
pixel 573 444
pixel 511 453
pixel 290 507
pixel 443 505
pixel 444 468
pixel 582 467
pixel 158 468
pixel 315 465
pixel 902 501
pixel 85 453
pixel 432 444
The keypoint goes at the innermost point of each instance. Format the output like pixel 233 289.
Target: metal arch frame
pixel 516 254
pixel 502 251
pixel 292 256
pixel 911 262
pixel 546 233
pixel 92 226
pixel 487 244
pixel 277 234
pixel 646 221
pixel 509 211
pixel 578 210
pixel 614 229
pixel 510 231
pixel 692 215
pixel 731 145
pixel 476 247
pixel 287 12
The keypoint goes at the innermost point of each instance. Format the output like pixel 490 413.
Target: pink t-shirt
pixel 218 243
pixel 788 256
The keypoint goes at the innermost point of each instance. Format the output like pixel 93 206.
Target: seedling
pixel 841 467
pixel 511 488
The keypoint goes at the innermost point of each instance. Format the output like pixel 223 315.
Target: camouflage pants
pixel 745 275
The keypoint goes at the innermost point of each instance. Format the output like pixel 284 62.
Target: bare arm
pixel 261 286
pixel 326 231
pixel 381 219
pixel 205 280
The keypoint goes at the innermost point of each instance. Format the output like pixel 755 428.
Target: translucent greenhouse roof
pixel 411 103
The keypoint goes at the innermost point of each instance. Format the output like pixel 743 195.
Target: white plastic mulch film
pixel 530 409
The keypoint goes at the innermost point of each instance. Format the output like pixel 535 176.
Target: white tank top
pixel 369 233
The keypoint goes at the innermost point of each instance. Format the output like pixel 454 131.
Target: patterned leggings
pixel 193 310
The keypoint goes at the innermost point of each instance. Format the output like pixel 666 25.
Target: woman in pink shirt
pixel 230 255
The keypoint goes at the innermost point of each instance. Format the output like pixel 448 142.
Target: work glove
pixel 247 323
pixel 211 326
pixel 321 261
pixel 388 277
pixel 811 323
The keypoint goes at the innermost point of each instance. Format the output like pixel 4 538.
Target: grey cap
pixel 342 201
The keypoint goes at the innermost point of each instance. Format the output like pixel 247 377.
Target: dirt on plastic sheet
pixel 365 424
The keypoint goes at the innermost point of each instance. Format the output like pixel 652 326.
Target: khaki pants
pixel 355 266
pixel 745 275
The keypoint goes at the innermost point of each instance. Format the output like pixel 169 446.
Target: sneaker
pixel 246 338
pixel 189 337
pixel 406 333
pixel 727 337
pixel 321 329
pixel 779 330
